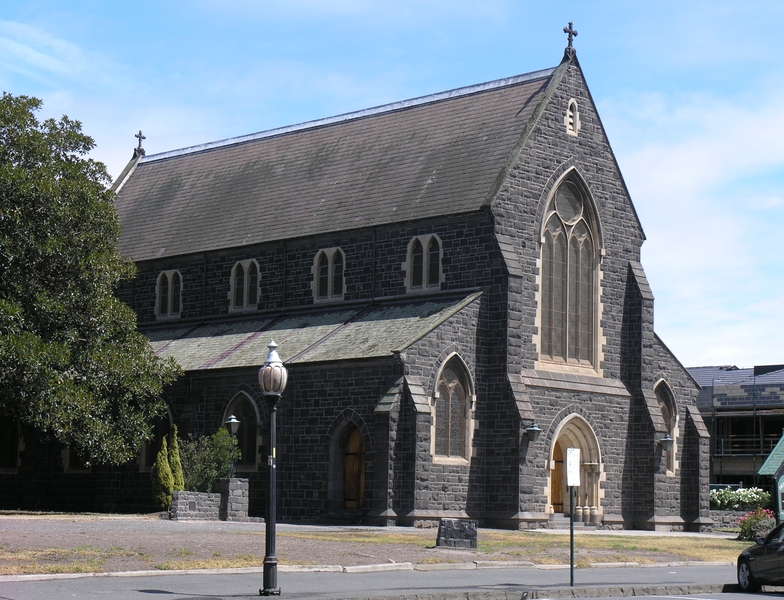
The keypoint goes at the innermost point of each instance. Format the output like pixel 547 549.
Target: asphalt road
pixel 484 583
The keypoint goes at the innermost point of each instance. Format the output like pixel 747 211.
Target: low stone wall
pixel 195 505
pixel 234 499
pixel 457 533
pixel 228 503
pixel 727 518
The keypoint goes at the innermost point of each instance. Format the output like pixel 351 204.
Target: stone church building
pixel 454 284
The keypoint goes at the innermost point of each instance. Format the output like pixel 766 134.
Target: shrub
pixel 162 479
pixel 207 458
pixel 176 463
pixel 740 499
pixel 757 523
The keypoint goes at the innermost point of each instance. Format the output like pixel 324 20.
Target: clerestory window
pixel 244 293
pixel 328 280
pixel 568 280
pixel 423 267
pixel 169 295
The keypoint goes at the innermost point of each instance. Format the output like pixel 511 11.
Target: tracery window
pixel 424 263
pixel 451 414
pixel 169 295
pixel 568 279
pixel 328 281
pixel 244 294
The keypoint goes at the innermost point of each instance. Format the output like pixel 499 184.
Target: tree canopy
pixel 72 364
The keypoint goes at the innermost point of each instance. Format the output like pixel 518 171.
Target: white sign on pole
pixel 573 467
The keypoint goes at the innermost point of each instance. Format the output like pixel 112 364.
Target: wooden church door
pixel 557 480
pixel 354 471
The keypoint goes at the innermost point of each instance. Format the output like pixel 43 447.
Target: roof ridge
pixel 350 116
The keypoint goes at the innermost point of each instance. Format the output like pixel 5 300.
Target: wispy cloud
pixel 700 170
pixel 28 49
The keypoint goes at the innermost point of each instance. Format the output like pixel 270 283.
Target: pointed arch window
pixel 452 416
pixel 169 295
pixel 328 281
pixel 568 279
pixel 669 412
pixel 424 263
pixel 243 408
pixel 572 118
pixel 244 294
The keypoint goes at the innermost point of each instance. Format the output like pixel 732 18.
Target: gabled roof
pixel 431 156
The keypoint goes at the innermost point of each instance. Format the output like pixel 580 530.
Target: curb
pixel 569 592
pixel 407 566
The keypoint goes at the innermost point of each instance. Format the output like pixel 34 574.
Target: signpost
pixel 572 480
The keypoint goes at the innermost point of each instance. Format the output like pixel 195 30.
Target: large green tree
pixel 72 364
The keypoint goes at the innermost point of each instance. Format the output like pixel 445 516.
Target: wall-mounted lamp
pixel 533 431
pixel 667 442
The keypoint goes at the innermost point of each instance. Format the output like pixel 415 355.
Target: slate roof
pixel 340 333
pixel 728 387
pixel 421 158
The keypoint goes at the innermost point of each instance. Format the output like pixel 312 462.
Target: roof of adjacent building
pixel 319 335
pixel 730 375
pixel 431 156
pixel 728 388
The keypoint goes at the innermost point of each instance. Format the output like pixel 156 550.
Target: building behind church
pixel 743 410
pixel 445 277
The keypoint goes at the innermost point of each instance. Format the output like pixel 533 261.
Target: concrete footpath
pixel 388 582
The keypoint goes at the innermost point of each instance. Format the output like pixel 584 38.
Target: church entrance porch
pixel 576 432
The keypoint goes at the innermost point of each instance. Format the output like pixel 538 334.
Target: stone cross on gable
pixel 568 30
pixel 571 33
pixel 139 151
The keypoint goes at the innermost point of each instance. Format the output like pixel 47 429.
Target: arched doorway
pixel 354 469
pixel 575 432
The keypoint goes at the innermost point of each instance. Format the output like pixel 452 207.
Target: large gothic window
pixel 452 412
pixel 568 275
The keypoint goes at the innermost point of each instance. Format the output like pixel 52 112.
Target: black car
pixel 763 563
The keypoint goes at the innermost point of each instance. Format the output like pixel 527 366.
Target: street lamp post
pixel 233 424
pixel 272 378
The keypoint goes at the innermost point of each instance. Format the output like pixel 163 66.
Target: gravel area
pixel 146 542
pixel 50 543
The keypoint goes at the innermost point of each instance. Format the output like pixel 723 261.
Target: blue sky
pixel 690 94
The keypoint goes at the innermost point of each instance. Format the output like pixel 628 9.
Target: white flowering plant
pixel 740 499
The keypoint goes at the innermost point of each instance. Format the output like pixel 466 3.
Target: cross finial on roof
pixel 139 151
pixel 571 33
